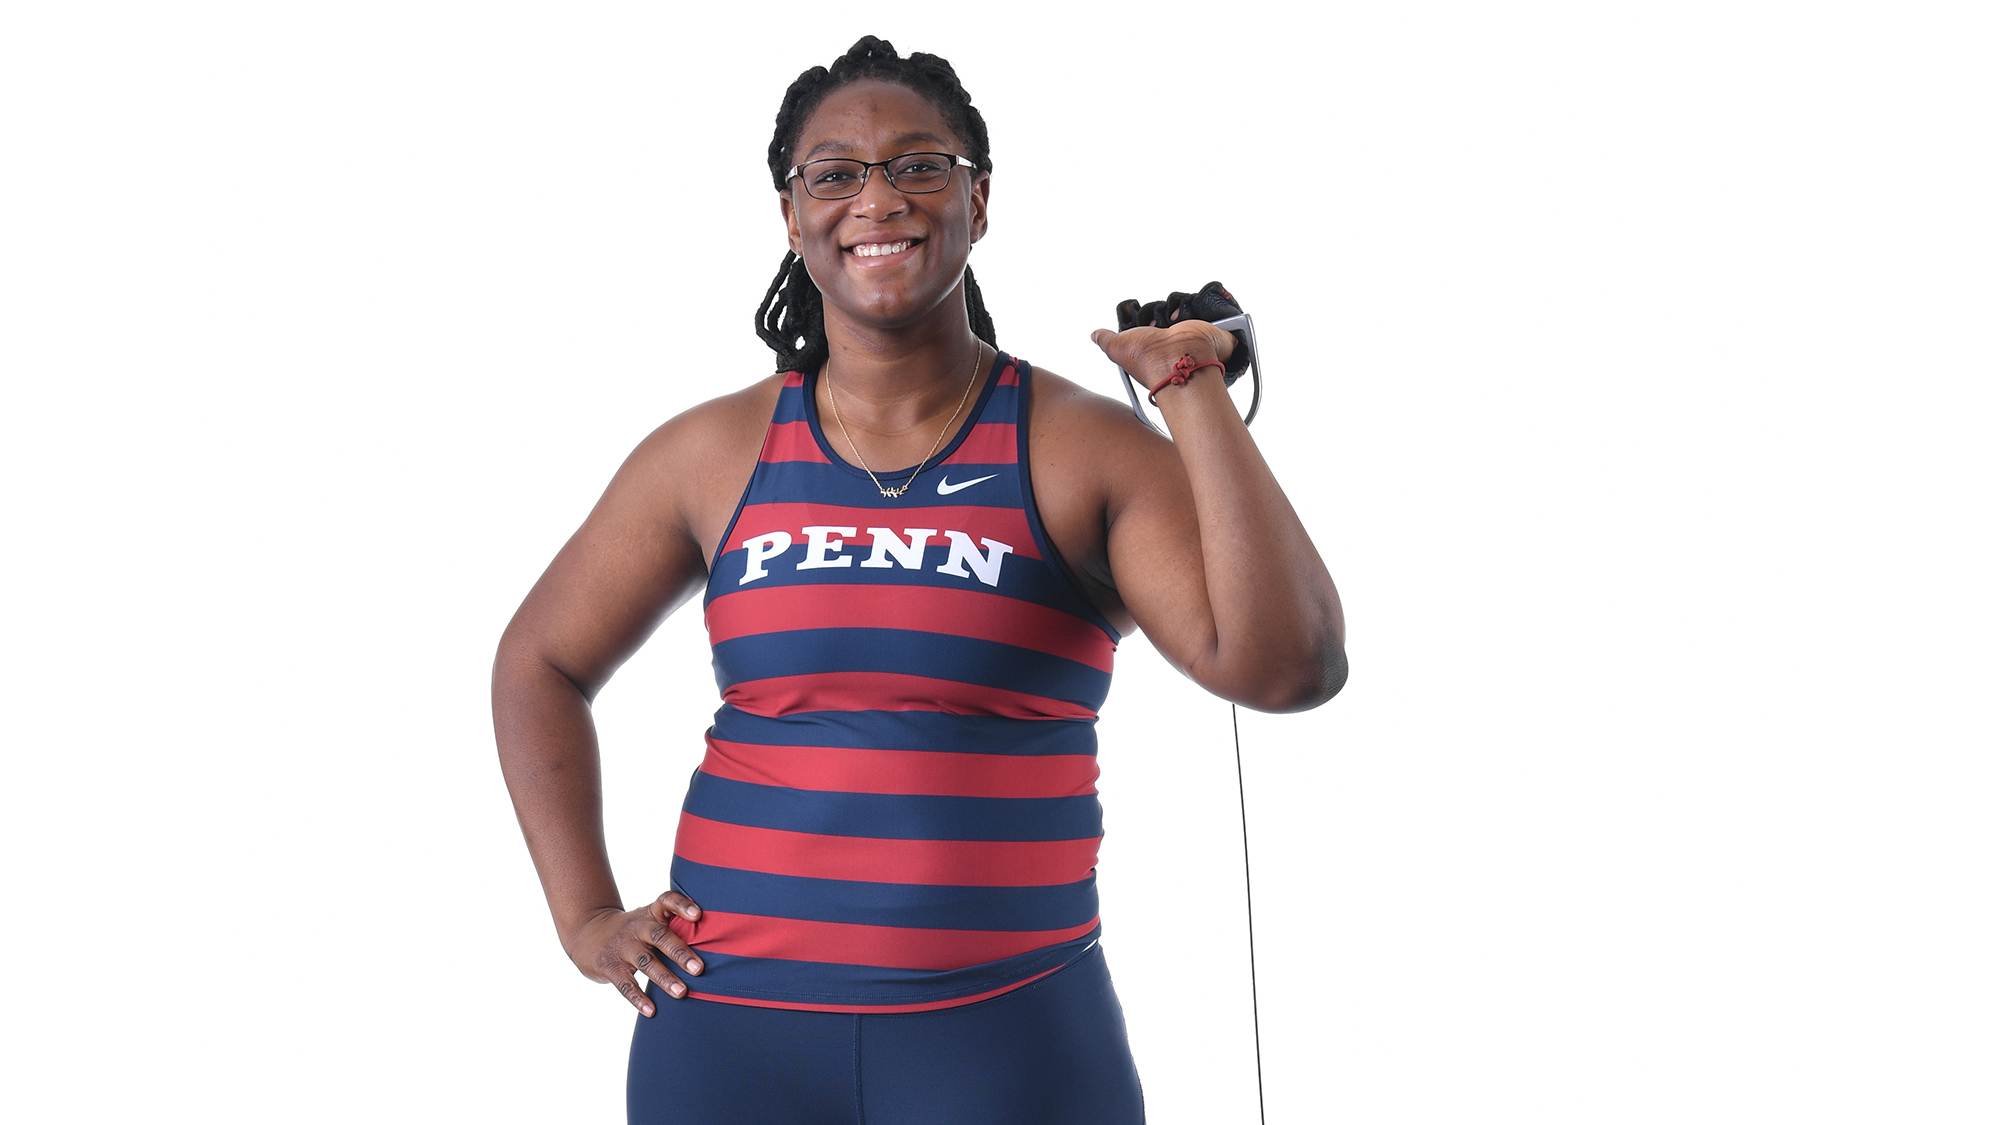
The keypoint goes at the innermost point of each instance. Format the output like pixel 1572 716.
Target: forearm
pixel 1276 641
pixel 548 754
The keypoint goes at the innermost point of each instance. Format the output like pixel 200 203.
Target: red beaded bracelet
pixel 1184 369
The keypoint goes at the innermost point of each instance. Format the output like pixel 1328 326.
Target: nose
pixel 879 198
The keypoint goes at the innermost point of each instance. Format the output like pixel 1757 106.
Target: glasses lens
pixel 920 171
pixel 833 179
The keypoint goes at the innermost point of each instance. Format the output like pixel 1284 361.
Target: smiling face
pixel 883 259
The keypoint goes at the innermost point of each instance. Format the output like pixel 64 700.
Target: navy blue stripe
pixel 894 816
pixel 791 406
pixel 912 905
pixel 814 482
pixel 965 660
pixel 909 730
pixel 809 982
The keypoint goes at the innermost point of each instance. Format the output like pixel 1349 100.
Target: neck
pixel 893 379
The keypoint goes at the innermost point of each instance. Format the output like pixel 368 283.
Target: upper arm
pixel 1115 498
pixel 1153 546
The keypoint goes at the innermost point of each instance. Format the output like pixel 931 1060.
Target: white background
pixel 1632 366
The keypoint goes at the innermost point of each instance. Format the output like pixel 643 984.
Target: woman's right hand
pixel 612 945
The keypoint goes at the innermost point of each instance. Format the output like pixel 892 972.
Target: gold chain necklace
pixel 894 493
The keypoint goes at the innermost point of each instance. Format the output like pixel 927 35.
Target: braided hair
pixel 790 318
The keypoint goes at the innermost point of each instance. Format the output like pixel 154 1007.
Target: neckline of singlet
pixel 810 408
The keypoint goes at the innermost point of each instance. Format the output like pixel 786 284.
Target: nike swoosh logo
pixel 946 488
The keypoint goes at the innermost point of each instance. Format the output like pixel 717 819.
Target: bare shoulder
pixel 1052 392
pixel 1078 432
pixel 716 430
pixel 694 466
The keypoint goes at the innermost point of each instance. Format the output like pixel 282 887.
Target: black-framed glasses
pixel 913 173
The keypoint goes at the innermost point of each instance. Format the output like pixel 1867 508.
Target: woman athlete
pixel 916 554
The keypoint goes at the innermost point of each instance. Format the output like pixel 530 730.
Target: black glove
pixel 1211 303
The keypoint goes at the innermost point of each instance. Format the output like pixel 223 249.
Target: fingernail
pixel 694 966
pixel 679 990
pixel 647 1011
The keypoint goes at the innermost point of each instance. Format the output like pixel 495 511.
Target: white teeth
pixel 877 249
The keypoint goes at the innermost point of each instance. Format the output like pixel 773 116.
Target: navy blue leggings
pixel 1048 1053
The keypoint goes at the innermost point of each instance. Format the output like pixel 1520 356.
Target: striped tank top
pixel 898 808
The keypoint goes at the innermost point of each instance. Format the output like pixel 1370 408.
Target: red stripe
pixel 884 1009
pixel 1010 375
pixel 795 379
pixel 778 696
pixel 1003 525
pixel 851 943
pixel 932 863
pixel 989 443
pixel 935 773
pixel 791 441
pixel 924 609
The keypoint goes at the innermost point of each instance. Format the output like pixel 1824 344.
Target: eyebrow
pixel 849 146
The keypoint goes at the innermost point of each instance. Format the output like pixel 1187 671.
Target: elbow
pixel 514 664
pixel 1312 683
pixel 526 681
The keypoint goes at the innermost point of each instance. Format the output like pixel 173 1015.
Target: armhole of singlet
pixel 729 529
pixel 1023 408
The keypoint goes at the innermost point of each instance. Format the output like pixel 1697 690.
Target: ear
pixel 791 215
pixel 982 187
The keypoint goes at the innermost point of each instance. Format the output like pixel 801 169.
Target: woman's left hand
pixel 1148 354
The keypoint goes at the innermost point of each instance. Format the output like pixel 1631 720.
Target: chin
pixel 893 306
